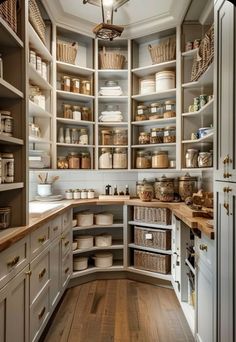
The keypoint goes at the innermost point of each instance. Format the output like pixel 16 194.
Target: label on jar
pixel 153 110
pixel 76 84
pixel 168 107
pixel 166 133
pixel 67 82
pixel 88 86
pixel 153 134
pixel 140 111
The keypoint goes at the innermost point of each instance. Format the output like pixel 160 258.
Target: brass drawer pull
pixel 40 315
pixel 28 273
pixel 227 160
pixel 203 247
pixel 226 206
pixel 227 175
pixel 41 274
pixel 66 243
pixel 227 189
pixel 42 239
pixel 55 228
pixel 63 237
pixel 67 270
pixel 13 262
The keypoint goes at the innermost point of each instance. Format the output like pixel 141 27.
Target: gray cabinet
pixel 225 123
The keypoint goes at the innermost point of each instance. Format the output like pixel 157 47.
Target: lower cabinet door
pixel 55 268
pixel 14 309
pixel 66 269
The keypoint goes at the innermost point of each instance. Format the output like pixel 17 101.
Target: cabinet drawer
pixel 66 220
pixel 66 242
pixel 39 240
pixel 66 270
pixel 40 275
pixel 55 228
pixel 39 313
pixel 13 260
pixel 205 251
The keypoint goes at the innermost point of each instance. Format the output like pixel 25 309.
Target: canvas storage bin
pixel 153 262
pixel 154 238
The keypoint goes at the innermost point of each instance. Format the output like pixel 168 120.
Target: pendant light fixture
pixel 107 30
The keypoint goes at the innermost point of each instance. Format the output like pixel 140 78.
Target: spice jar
pixel 67 111
pixel 76 113
pixel 69 194
pixel 191 158
pixel 105 159
pixel 155 111
pixel 157 135
pixel 120 158
pixel 5 217
pixel 83 139
pixel 76 194
pixel 66 83
pixel 73 160
pixel 7 168
pixel 91 193
pixel 141 113
pixel 146 192
pixel 62 162
pixel 187 186
pixel 32 58
pixel 120 136
pixel 75 85
pixel 85 160
pixel 164 189
pixel 160 160
pixel 139 185
pixel 144 138
pixel 85 87
pixel 6 123
pixel 74 136
pixel 169 134
pixel 106 137
pixel 84 194
pixel 205 159
pixel 143 160
pixel 85 114
pixel 169 109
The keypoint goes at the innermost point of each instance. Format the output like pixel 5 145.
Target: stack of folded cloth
pixel 111 91
pixel 110 116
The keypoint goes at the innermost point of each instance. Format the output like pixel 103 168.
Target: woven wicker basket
pixel 9 14
pixel 154 262
pixel 111 59
pixel 154 238
pixel 163 52
pixel 36 20
pixel 152 215
pixel 66 51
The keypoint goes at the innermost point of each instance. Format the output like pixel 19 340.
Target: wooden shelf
pixel 206 80
pixel 154 122
pixel 190 54
pixel 113 146
pixel 154 145
pixel 207 139
pixel 204 111
pixel 36 79
pixel 165 94
pixel 198 169
pixel 74 69
pixel 150 274
pixel 39 141
pixel 111 124
pixel 11 186
pixel 170 170
pixel 150 225
pixel 114 225
pixel 75 145
pixel 37 44
pixel 9 91
pixel 35 110
pixel 75 122
pixel 93 249
pixel 113 74
pixel 67 95
pixel 6 140
pixel 111 99
pixel 149 249
pixel 116 267
pixel 152 69
pixel 8 38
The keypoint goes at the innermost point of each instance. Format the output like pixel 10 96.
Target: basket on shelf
pixel 204 56
pixel 8 12
pixel 111 59
pixel 163 52
pixel 66 51
pixel 154 238
pixel 153 262
pixel 36 20
pixel 152 215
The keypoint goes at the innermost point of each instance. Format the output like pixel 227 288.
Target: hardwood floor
pixel 119 311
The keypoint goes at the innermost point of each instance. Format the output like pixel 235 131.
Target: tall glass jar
pixel 73 160
pixel 120 158
pixel 67 111
pixel 86 87
pixel 191 158
pixel 85 160
pixel 8 171
pixel 144 138
pixel 105 159
pixel 169 109
pixel 165 189
pixel 169 134
pixel 85 114
pixel 143 160
pixel 83 139
pixel 141 113
pixel 157 135
pixel 120 136
pixel 155 111
pixel 106 137
pixel 75 85
pixel 66 83
pixel 187 186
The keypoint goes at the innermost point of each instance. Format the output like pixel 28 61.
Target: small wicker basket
pixel 163 52
pixel 154 238
pixel 36 20
pixel 66 51
pixel 9 14
pixel 153 262
pixel 111 59
pixel 152 215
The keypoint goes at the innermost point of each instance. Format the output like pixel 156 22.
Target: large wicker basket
pixel 152 215
pixel 154 262
pixel 154 238
pixel 111 59
pixel 66 51
pixel 163 52
pixel 9 14
pixel 36 20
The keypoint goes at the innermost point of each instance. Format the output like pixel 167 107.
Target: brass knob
pixel 203 247
pixel 227 175
pixel 227 189
pixel 13 262
pixel 227 160
pixel 42 239
pixel 28 273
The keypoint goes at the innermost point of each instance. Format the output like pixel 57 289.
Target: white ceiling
pixel 140 17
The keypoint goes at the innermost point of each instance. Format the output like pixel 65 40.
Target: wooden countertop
pixel 11 235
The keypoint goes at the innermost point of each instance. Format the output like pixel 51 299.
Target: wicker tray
pixel 154 262
pixel 111 59
pixel 9 14
pixel 154 238
pixel 163 52
pixel 66 51
pixel 36 20
pixel 152 215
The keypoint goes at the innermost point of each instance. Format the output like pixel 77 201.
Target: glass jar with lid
pixel 143 160
pixel 73 160
pixel 141 113
pixel 106 137
pixel 191 158
pixel 83 139
pixel 8 171
pixel 120 136
pixel 86 87
pixel 75 85
pixel 85 114
pixel 146 192
pixel 169 109
pixel 84 193
pixel 91 193
pixel 155 111
pixel 67 111
pixel 105 159
pixel 169 134
pixel 187 186
pixel 205 159
pixel 74 136
pixel 120 158
pixel 164 189
pixel 5 217
pixel 62 162
pixel 160 160
pixel 85 160
pixel 6 123
pixel 76 113
pixel 157 135
pixel 66 83
pixel 144 138
pixel 77 194
pixel 139 185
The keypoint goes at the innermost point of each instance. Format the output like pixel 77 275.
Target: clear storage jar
pixel 67 111
pixel 105 159
pixel 205 159
pixel 74 136
pixel 120 136
pixel 62 162
pixel 73 160
pixel 120 158
pixel 144 138
pixel 191 158
pixel 169 109
pixel 8 171
pixel 166 190
pixel 106 137
pixel 157 135
pixel 75 85
pixel 85 160
pixel 76 113
pixel 187 186
pixel 83 139
pixel 86 87
pixel 85 114
pixel 169 134
pixel 66 83
pixel 155 111
pixel 143 160
pixel 141 113
pixel 160 160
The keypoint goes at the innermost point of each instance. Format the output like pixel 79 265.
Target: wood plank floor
pixel 119 311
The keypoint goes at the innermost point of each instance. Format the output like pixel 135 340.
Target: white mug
pixel 45 190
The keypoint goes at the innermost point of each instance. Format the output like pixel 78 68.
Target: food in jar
pixel 187 186
pixel 85 160
pixel 8 171
pixel 77 195
pixel 138 187
pixel 86 87
pixel 106 137
pixel 120 136
pixel 169 134
pixel 205 159
pixel 169 109
pixel 191 158
pixel 85 114
pixel 83 139
pixel 105 159
pixel 146 193
pixel 66 83
pixel 144 138
pixel 73 160
pixel 141 113
pixel 157 135
pixel 75 85
pixel 143 160
pixel 164 189
pixel 160 160
pixel 76 113
pixel 120 158
pixel 156 109
pixel 67 111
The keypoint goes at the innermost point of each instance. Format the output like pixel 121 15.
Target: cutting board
pixel 205 212
pixel 114 198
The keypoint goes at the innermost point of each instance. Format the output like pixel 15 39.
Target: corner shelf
pixel 67 95
pixel 6 140
pixel 114 225
pixel 11 186
pixel 165 94
pixel 152 69
pixel 74 69
pixel 9 91
pixel 154 122
pixel 117 266
pixel 35 110
pixel 75 122
pixel 206 110
pixel 149 249
pixel 37 44
pixel 150 225
pixel 8 38
pixel 204 80
pixel 92 249
pixel 207 139
pixel 37 79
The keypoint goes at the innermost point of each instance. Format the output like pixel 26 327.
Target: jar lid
pixel 144 133
pixel 105 131
pixel 119 150
pixel 7 155
pixel 148 79
pixel 84 190
pixel 85 154
pixel 166 72
pixel 90 190
pixel 68 105
pixel 160 153
pixel 157 129
pixel 77 190
pixel 106 150
pixel 170 102
pixel 204 154
pixel 170 128
pixel 164 179
pixel 75 79
pixel 85 81
pixel 192 150
pixel 142 107
pixel 76 107
pixel 156 104
pixel 187 177
pixel 65 76
pixel 142 153
pixel 83 130
pixel 73 154
pixel 118 130
pixel 85 108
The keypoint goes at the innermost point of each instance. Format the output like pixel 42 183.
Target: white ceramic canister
pixel 80 263
pixel 165 80
pixel 104 240
pixel 84 194
pixel 74 245
pixel 77 194
pixel 91 193
pixel 103 259
pixel 147 85
pixel 44 190
pixel 85 241
pixel 85 219
pixel 104 219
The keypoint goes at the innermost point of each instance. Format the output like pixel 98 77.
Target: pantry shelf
pixel 111 124
pixel 84 250
pixel 113 146
pixel 37 44
pixel 165 94
pixel 111 99
pixel 36 79
pixel 11 186
pixel 154 122
pixel 111 74
pixel 207 139
pixel 170 170
pixel 206 110
pixel 35 110
pixel 205 80
pixel 115 267
pixel 198 169
pixel 114 225
pixel 75 145
pixel 74 69
pixel 150 274
pixel 8 38
pixel 75 122
pixel 67 95
pixel 154 145
pixel 150 225
pixel 34 140
pixel 149 249
pixel 9 91
pixel 6 140
pixel 152 69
